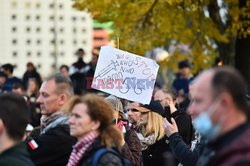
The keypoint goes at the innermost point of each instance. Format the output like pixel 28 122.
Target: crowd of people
pixel 201 120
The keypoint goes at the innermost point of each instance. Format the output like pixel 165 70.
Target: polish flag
pixel 33 145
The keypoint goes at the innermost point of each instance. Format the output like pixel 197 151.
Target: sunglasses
pixel 133 110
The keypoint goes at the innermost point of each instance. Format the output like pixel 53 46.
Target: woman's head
pixel 33 86
pixel 91 112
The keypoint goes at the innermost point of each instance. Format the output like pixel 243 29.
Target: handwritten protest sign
pixel 125 75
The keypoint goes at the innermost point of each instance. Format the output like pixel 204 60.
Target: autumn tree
pixel 208 27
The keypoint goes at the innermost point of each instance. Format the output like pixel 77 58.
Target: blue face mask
pixel 203 124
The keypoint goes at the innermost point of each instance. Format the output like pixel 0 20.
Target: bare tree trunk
pixel 242 58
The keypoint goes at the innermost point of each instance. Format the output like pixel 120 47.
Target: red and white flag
pixel 33 145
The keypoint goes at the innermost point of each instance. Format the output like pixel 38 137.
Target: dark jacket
pixel 16 156
pixel 31 74
pixel 54 147
pixel 107 159
pixel 182 151
pixel 184 124
pixel 232 149
pixel 154 154
pixel 132 148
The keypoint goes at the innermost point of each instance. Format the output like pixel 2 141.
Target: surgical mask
pixel 204 125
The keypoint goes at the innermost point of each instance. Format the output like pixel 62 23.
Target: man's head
pixel 64 70
pixel 80 52
pixel 221 93
pixel 184 68
pixel 54 93
pixel 18 88
pixel 133 114
pixel 3 78
pixel 166 98
pixel 14 116
pixel 8 69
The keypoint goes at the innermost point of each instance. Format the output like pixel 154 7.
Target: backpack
pixel 98 154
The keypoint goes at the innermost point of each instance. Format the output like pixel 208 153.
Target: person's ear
pixel 62 99
pixel 1 126
pixel 226 101
pixel 95 125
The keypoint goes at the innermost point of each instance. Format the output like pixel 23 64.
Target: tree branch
pixel 214 12
pixel 148 14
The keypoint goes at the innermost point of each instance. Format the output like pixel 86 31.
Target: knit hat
pixel 116 103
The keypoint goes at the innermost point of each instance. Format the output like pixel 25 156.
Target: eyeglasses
pixel 133 110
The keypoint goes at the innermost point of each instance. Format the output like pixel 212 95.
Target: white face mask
pixel 204 125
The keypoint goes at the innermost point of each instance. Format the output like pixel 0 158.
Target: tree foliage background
pixel 208 27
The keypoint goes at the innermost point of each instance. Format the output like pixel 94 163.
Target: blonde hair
pixel 154 126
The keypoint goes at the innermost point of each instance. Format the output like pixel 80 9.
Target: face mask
pixel 203 124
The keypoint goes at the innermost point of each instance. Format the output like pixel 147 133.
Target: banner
pixel 125 75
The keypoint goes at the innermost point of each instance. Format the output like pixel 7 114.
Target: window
pixel 62 53
pixel 39 65
pixel 13 17
pixel 38 17
pixel 51 6
pixel 61 6
pixel 28 29
pixel 52 29
pixel 14 29
pixel 13 4
pixel 27 17
pixel 14 41
pixel 61 42
pixel 38 41
pixel 28 54
pixel 52 41
pixel 14 54
pixel 38 53
pixel 74 42
pixel 28 42
pixel 27 5
pixel 74 30
pixel 61 30
pixel 83 18
pixel 38 29
pixel 61 18
pixel 73 18
pixel 38 5
pixel 51 18
pixel 84 42
pixel 83 30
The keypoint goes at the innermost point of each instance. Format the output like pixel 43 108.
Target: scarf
pixel 46 120
pixel 146 141
pixel 80 148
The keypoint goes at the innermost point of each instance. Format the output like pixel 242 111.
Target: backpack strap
pixel 98 154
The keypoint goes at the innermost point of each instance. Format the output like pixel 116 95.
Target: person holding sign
pixel 131 148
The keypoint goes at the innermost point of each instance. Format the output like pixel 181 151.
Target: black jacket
pixel 107 159
pixel 54 147
pixel 182 151
pixel 154 154
pixel 16 156
pixel 184 124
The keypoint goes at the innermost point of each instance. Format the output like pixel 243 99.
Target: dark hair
pixel 18 85
pixel 101 111
pixel 8 67
pixel 230 80
pixel 64 66
pixel 2 74
pixel 63 84
pixel 183 64
pixel 14 114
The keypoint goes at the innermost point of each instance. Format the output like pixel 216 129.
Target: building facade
pixel 45 32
